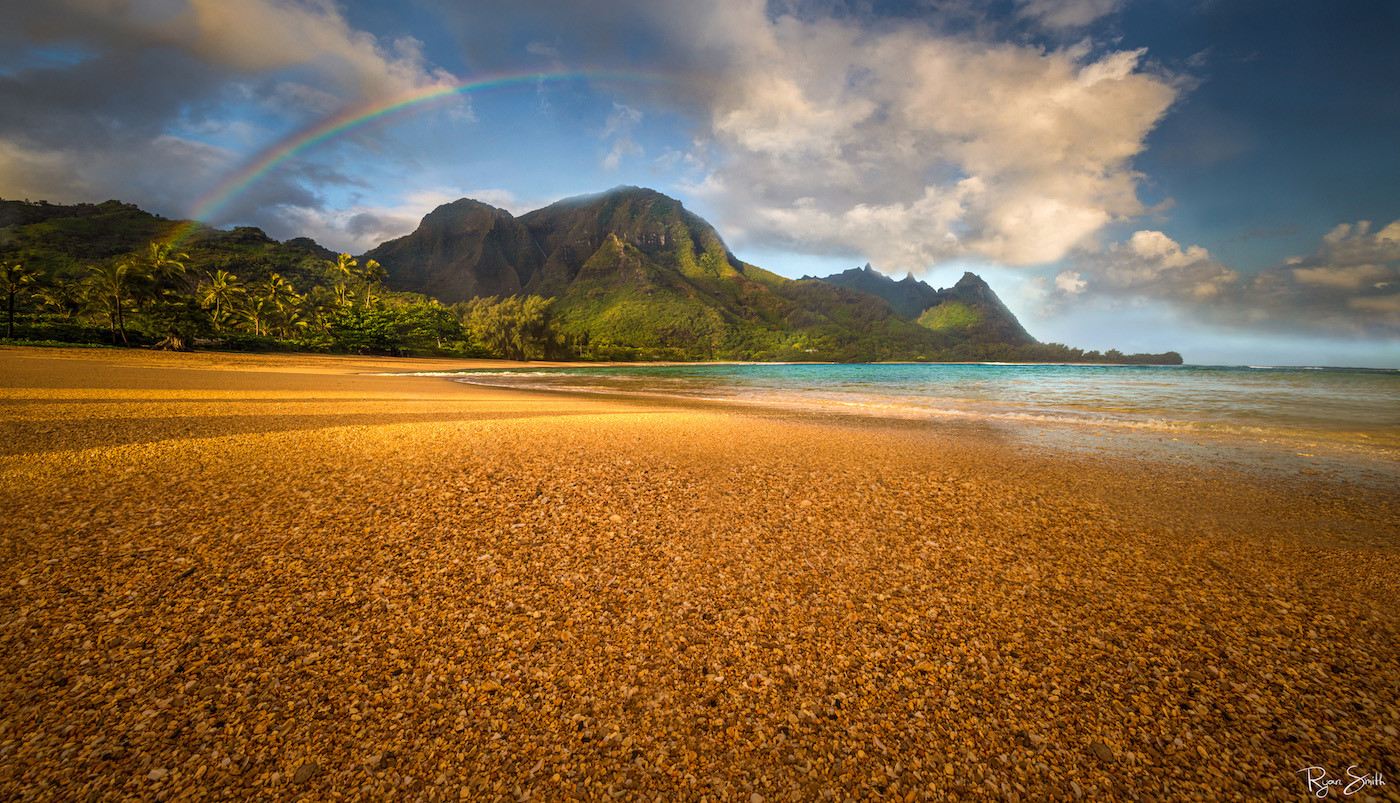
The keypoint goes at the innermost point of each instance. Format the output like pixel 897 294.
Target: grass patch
pixel 950 316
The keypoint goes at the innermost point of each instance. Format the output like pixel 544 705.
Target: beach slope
pixel 277 577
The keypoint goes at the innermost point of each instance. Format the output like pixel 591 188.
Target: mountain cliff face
pixel 460 251
pixel 969 310
pixel 908 296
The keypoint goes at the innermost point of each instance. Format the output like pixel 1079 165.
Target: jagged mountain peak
pixel 969 308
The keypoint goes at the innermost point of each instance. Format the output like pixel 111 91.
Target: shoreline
pixel 254 577
pixel 1267 453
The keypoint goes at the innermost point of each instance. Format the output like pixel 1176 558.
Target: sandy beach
pixel 276 577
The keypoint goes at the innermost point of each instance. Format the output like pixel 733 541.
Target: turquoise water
pixel 1356 405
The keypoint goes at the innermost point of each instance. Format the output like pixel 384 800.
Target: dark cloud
pixel 99 100
pixel 121 95
pixel 365 223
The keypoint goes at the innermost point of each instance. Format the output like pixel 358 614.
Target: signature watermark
pixel 1320 784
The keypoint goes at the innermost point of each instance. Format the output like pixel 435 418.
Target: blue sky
pixel 1214 177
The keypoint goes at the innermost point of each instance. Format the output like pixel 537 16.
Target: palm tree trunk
pixel 121 323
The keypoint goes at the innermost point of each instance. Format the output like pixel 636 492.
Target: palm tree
pixel 14 277
pixel 291 317
pixel 343 271
pixel 222 293
pixel 281 294
pixel 113 283
pixel 276 289
pixel 373 275
pixel 256 311
pixel 318 305
pixel 283 302
pixel 163 262
pixel 62 295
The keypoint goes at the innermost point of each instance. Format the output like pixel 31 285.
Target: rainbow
pixel 352 118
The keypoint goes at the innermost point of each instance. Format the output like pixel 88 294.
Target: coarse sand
pixel 238 577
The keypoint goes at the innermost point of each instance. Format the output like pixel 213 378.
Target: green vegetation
pixel 95 274
pixel 517 328
pixel 67 281
pixel 14 279
pixel 950 316
pixel 1052 352
pixel 149 298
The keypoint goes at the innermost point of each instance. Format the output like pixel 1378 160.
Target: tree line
pixel 153 298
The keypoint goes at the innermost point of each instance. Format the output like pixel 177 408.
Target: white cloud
pixel 254 36
pixel 1345 287
pixel 1351 277
pixel 1152 265
pixel 1068 281
pixel 834 135
pixel 543 51
pixel 1067 14
pixel 911 148
pixel 1355 244
pixel 620 124
pixel 1157 247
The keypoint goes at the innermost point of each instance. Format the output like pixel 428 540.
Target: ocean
pixel 1359 407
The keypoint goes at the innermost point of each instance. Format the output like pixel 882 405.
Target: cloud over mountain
pixel 886 139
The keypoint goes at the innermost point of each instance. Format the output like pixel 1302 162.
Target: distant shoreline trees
pixel 151 298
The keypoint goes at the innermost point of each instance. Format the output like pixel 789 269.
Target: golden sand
pixel 272 577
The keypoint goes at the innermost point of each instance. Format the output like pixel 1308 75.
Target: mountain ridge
pixel 969 308
pixel 632 265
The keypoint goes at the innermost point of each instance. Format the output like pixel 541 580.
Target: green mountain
pixel 969 309
pixel 633 269
pixel 62 241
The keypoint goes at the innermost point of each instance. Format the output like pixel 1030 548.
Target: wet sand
pixel 273 577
